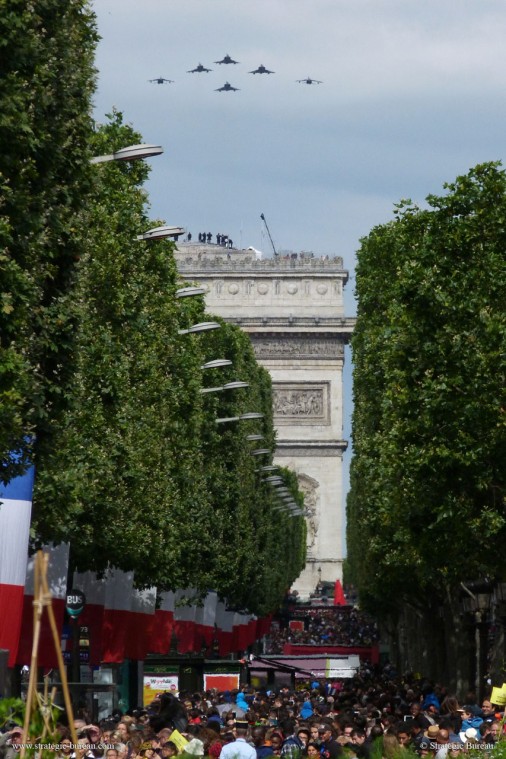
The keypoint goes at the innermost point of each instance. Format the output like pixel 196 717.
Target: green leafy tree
pixel 124 475
pixel 45 127
pixel 426 507
pixel 132 469
pixel 141 476
pixel 248 534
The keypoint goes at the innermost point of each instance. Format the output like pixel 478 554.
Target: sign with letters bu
pixel 75 602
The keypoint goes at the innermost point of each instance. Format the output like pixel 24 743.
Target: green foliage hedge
pixel 426 507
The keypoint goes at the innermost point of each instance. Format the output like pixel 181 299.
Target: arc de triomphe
pixel 292 308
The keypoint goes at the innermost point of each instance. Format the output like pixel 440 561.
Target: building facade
pixel 292 308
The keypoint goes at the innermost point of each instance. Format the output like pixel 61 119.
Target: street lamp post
pixel 130 153
pixel 248 415
pixel 237 384
pixel 200 327
pixel 185 292
pixel 477 604
pixel 161 233
pixel 217 363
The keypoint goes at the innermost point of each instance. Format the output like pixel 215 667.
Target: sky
pixel 412 95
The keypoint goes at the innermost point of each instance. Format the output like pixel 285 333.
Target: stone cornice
pixel 205 261
pixel 310 448
pixel 195 269
pixel 343 325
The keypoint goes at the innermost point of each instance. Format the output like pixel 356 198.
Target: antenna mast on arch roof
pixel 268 232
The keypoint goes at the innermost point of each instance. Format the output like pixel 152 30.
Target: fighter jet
pixel 227 59
pixel 161 80
pixel 198 69
pixel 262 70
pixel 227 88
pixel 309 81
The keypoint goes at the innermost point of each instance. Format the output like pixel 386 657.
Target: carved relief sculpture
pixel 298 402
pixel 309 488
pixel 271 347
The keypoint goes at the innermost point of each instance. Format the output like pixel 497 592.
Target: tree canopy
pixel 426 507
pixel 98 387
pixel 139 475
pixel 45 106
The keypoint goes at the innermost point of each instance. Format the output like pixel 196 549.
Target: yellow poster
pixel 498 696
pixel 179 740
pixel 154 685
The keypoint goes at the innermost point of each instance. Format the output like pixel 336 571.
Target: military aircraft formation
pixel 261 70
pixel 198 69
pixel 227 87
pixel 161 80
pixel 227 59
pixel 308 80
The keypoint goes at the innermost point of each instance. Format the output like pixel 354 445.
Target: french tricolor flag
pixel 205 618
pixel 119 590
pixel 225 625
pixel 184 621
pixel 15 515
pixel 161 633
pixel 141 621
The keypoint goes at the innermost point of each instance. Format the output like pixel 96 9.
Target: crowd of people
pixel 375 715
pixel 326 626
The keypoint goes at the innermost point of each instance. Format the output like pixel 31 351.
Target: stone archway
pixel 292 308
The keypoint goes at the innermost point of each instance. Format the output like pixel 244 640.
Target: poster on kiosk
pixel 155 685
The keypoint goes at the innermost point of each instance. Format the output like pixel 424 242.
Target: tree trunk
pixel 460 645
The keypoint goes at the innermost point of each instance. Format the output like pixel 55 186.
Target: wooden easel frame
pixel 42 600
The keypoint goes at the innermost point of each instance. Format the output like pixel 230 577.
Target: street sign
pixel 75 602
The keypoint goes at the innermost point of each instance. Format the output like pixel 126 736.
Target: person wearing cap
pixel 431 732
pixel 470 717
pixel 146 750
pixel 470 738
pixel 240 748
pixel 329 748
